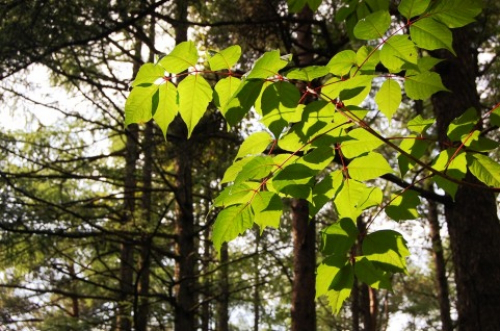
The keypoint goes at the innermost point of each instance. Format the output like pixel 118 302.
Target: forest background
pixel 105 227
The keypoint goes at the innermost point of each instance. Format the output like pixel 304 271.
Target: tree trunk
pixel 472 219
pixel 304 267
pixel 124 314
pixel 185 246
pixel 303 229
pixel 440 265
pixel 223 302
pixel 256 289
pixel 141 313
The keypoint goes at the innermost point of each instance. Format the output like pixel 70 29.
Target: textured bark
pixel 440 266
pixel 303 229
pixel 472 219
pixel 223 302
pixel 256 289
pixel 185 318
pixel 124 314
pixel 355 305
pixel 141 312
pixel 304 267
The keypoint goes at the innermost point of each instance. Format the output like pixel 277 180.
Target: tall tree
pixel 472 218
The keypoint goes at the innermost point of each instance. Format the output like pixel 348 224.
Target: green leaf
pixel 413 8
pixel 340 288
pixel 463 125
pixel 354 197
pixel 242 100
pixel 366 272
pixel 419 124
pixel 485 169
pixel 194 96
pixel 387 250
pixel 268 209
pixel 368 167
pixel 148 73
pixel 223 99
pixel 396 51
pixel 241 193
pixel 315 117
pixel 415 147
pixel 388 98
pixel 367 59
pixel 339 237
pixel 455 168
pixel 328 273
pixel 495 117
pixel 183 56
pixel 431 35
pixel 404 206
pixel 422 86
pixel 167 108
pixel 278 104
pixel 295 180
pixel 256 143
pixel 373 26
pixel 325 190
pixel 234 169
pixel 139 104
pixel 456 13
pixel 257 168
pixel 360 142
pixel 308 74
pixel 268 65
pixel 295 6
pixel 224 59
pixel 230 223
pixel 342 62
pixel 352 91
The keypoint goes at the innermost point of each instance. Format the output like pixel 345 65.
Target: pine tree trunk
pixel 472 219
pixel 304 267
pixel 223 302
pixel 124 314
pixel 440 265
pixel 185 247
pixel 303 229
pixel 141 313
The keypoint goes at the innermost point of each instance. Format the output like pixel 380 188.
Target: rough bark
pixel 304 267
pixel 303 229
pixel 256 289
pixel 124 316
pixel 184 315
pixel 472 219
pixel 223 302
pixel 440 266
pixel 141 313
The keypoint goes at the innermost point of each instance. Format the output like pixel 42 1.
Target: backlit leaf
pixel 167 108
pixel 396 51
pixel 183 56
pixel 342 62
pixel 268 65
pixel 388 98
pixel 404 206
pixel 230 223
pixel 387 250
pixel 412 8
pixel 373 26
pixel 485 169
pixel 224 59
pixel 256 143
pixel 431 35
pixel 422 86
pixel 369 167
pixel 194 95
pixel 268 209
